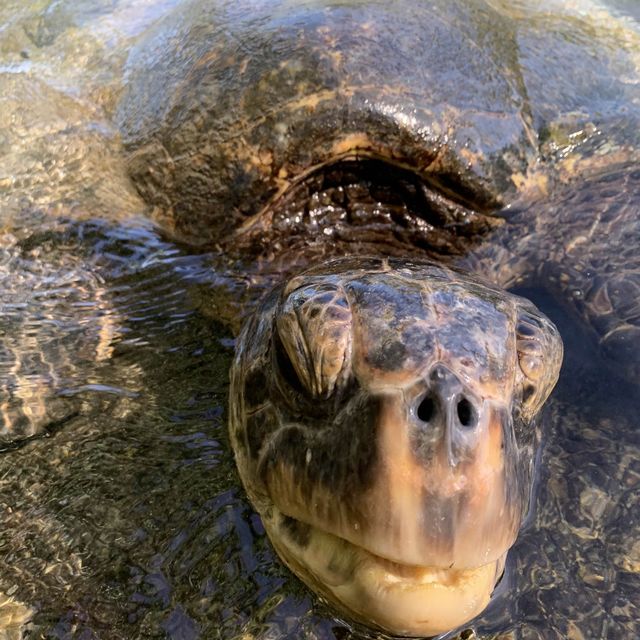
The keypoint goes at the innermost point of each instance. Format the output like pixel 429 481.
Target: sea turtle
pixel 381 406
pixel 450 150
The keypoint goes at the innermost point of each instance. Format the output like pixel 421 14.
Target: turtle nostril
pixel 426 409
pixel 466 413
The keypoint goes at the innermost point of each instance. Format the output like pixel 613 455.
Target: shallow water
pixel 126 519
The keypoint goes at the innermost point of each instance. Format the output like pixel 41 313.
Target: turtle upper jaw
pixel 400 598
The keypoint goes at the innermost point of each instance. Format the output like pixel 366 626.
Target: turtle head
pixel 383 417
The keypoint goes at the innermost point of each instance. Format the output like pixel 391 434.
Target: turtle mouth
pixel 395 597
pixel 373 202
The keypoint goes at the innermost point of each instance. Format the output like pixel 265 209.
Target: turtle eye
pixel 313 328
pixel 285 366
pixel 539 349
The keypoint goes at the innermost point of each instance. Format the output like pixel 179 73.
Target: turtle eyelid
pixel 539 352
pixel 314 329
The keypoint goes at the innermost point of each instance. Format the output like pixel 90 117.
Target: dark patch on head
pixel 476 329
pixel 337 452
pixel 528 391
pixel 298 532
pixel 356 428
pixel 255 389
pixel 259 425
pixel 523 436
pixel 418 341
pixel 285 366
pixel 389 356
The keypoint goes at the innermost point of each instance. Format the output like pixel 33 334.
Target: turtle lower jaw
pixel 398 598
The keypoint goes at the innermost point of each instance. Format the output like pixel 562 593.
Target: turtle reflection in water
pixel 383 405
